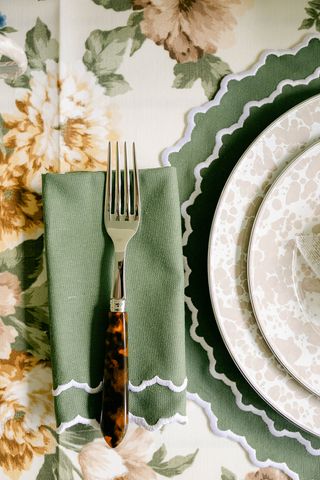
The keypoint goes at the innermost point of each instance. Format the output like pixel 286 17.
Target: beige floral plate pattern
pixel 281 283
pixel 264 160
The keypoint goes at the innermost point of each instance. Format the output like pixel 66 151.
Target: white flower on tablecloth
pixel 33 131
pixel 26 410
pixel 84 120
pixel 62 124
pixel 128 461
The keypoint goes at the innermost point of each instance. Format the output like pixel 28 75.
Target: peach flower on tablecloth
pixel 128 461
pixel 267 474
pixel 186 28
pixel 10 293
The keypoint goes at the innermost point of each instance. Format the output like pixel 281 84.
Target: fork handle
pixel 114 414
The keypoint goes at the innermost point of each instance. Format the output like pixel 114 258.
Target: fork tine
pixel 126 184
pixel 117 197
pixel 108 184
pixel 136 187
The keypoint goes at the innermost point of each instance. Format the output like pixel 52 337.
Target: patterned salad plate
pixel 244 191
pixel 284 288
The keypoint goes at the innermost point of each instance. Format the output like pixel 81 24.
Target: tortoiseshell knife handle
pixel 114 415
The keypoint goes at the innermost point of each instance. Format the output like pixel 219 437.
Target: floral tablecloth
pixel 102 70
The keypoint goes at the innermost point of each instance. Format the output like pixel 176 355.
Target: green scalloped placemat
pixel 256 85
pixel 249 428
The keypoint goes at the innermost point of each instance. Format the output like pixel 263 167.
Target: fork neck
pixel 118 300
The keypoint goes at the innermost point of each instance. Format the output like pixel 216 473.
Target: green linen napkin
pixel 80 261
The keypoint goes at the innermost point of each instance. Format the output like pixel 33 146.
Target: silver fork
pixel 121 222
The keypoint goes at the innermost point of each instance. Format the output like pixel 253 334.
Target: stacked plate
pixel 264 265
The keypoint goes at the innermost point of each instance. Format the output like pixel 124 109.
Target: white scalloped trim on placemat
pixel 206 406
pixel 250 408
pixel 188 231
pixel 187 219
pixel 224 89
pixel 141 421
pixel 133 388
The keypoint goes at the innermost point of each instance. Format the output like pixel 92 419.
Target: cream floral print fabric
pixel 58 117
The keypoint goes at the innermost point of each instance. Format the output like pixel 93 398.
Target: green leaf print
pixel 5 30
pixel 227 475
pixel 210 69
pixel 313 10
pixel 174 466
pixel 3 131
pixel 21 82
pixel 79 436
pixel 31 318
pixel 105 51
pixel 104 54
pixel 117 5
pixel 315 3
pixel 49 468
pixel 306 23
pixel 30 339
pixel 57 466
pixel 36 296
pixel 34 310
pixel 115 84
pixel 25 261
pixel 137 36
pixel 158 456
pixel 40 46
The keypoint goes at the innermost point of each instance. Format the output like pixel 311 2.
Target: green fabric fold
pixel 80 260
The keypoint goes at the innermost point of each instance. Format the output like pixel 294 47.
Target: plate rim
pixel 250 260
pixel 264 396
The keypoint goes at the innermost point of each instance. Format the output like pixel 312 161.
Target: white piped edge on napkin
pixel 141 421
pixel 75 421
pixel 157 380
pixel 188 229
pixel 133 388
pixel 75 384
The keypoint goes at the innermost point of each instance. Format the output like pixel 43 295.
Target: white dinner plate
pixel 284 289
pixel 260 165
